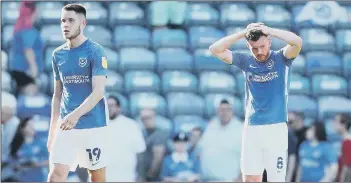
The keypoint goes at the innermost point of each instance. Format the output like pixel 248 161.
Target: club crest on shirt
pixel 270 64
pixel 104 62
pixel 82 62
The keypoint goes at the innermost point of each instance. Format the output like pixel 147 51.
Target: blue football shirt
pixel 75 67
pixel 266 87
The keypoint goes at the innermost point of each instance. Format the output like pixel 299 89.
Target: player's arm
pixel 294 42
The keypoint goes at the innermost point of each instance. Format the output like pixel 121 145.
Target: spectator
pixel 156 143
pixel 180 166
pixel 168 13
pixel 127 142
pixel 296 123
pixel 318 160
pixel 27 53
pixel 220 157
pixel 342 123
pixel 195 136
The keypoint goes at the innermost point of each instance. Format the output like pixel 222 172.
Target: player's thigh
pixel 58 172
pixel 251 153
pixel 98 175
pixel 64 149
pixel 159 13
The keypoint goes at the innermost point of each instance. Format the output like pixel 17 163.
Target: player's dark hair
pixel 115 99
pixel 19 138
pixel 320 132
pixel 224 101
pixel 78 8
pixel 345 119
pixel 254 35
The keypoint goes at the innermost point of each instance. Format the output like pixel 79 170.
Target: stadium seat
pixel 267 13
pixel 96 13
pixel 39 104
pixel 43 82
pixel 131 36
pixel 169 38
pixel 174 59
pixel 123 101
pixel 104 36
pixel 201 14
pixel 343 40
pixel 344 23
pixel 332 134
pixel 52 35
pixel 147 100
pixel 323 63
pixel 179 81
pixel 48 58
pixel 213 101
pixel 121 13
pixel 270 2
pixel 350 88
pixel 203 36
pixel 329 106
pixel 6 82
pixel 303 103
pixel 217 82
pixel 323 84
pixel 114 82
pixel 141 81
pixel 241 43
pixel 205 61
pixel 186 123
pixel 299 65
pixel 242 17
pixel 299 85
pixel 317 40
pixel 9 12
pixel 177 106
pixel 41 126
pixel 4 60
pixel 240 80
pixel 277 43
pixel 7 36
pixel 112 58
pixel 161 123
pixel 137 59
pixel 347 65
pixel 50 12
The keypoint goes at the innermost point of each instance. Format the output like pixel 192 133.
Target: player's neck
pixel 73 43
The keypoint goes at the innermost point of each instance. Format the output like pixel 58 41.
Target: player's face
pixel 260 48
pixel 225 113
pixel 71 24
pixel 180 146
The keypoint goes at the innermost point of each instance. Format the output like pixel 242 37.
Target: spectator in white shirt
pixel 220 146
pixel 126 144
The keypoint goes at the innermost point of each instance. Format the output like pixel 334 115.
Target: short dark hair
pixel 115 99
pixel 254 35
pixel 224 101
pixel 345 119
pixel 319 130
pixel 78 8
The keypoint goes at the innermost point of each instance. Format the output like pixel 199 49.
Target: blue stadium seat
pixel 303 103
pixel 99 34
pixel 343 40
pixel 241 43
pixel 205 61
pixel 347 65
pixel 179 81
pixel 323 62
pixel 240 80
pixel 169 38
pixel 299 85
pixel 52 35
pixel 242 17
pixel 41 126
pixel 201 14
pixel 38 104
pixel 267 13
pixel 317 40
pixel 204 36
pixel 137 59
pixel 323 84
pixel 270 2
pixel 114 82
pixel 125 13
pixel 50 12
pixel 177 106
pixel 9 12
pixel 6 82
pixel 344 23
pixel 131 36
pixel 186 123
pixel 217 82
pixel 4 60
pixel 43 82
pixel 277 43
pixel 147 100
pixel 213 100
pixel 141 81
pixel 123 100
pixel 112 58
pixel 173 59
pixel 329 106
pixel 96 13
pixel 48 58
pixel 7 36
pixel 161 123
pixel 299 65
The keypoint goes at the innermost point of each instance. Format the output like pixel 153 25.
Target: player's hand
pixel 69 121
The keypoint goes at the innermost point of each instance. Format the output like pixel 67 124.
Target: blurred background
pixel 164 77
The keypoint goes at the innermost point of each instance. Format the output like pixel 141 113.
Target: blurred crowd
pixel 148 147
